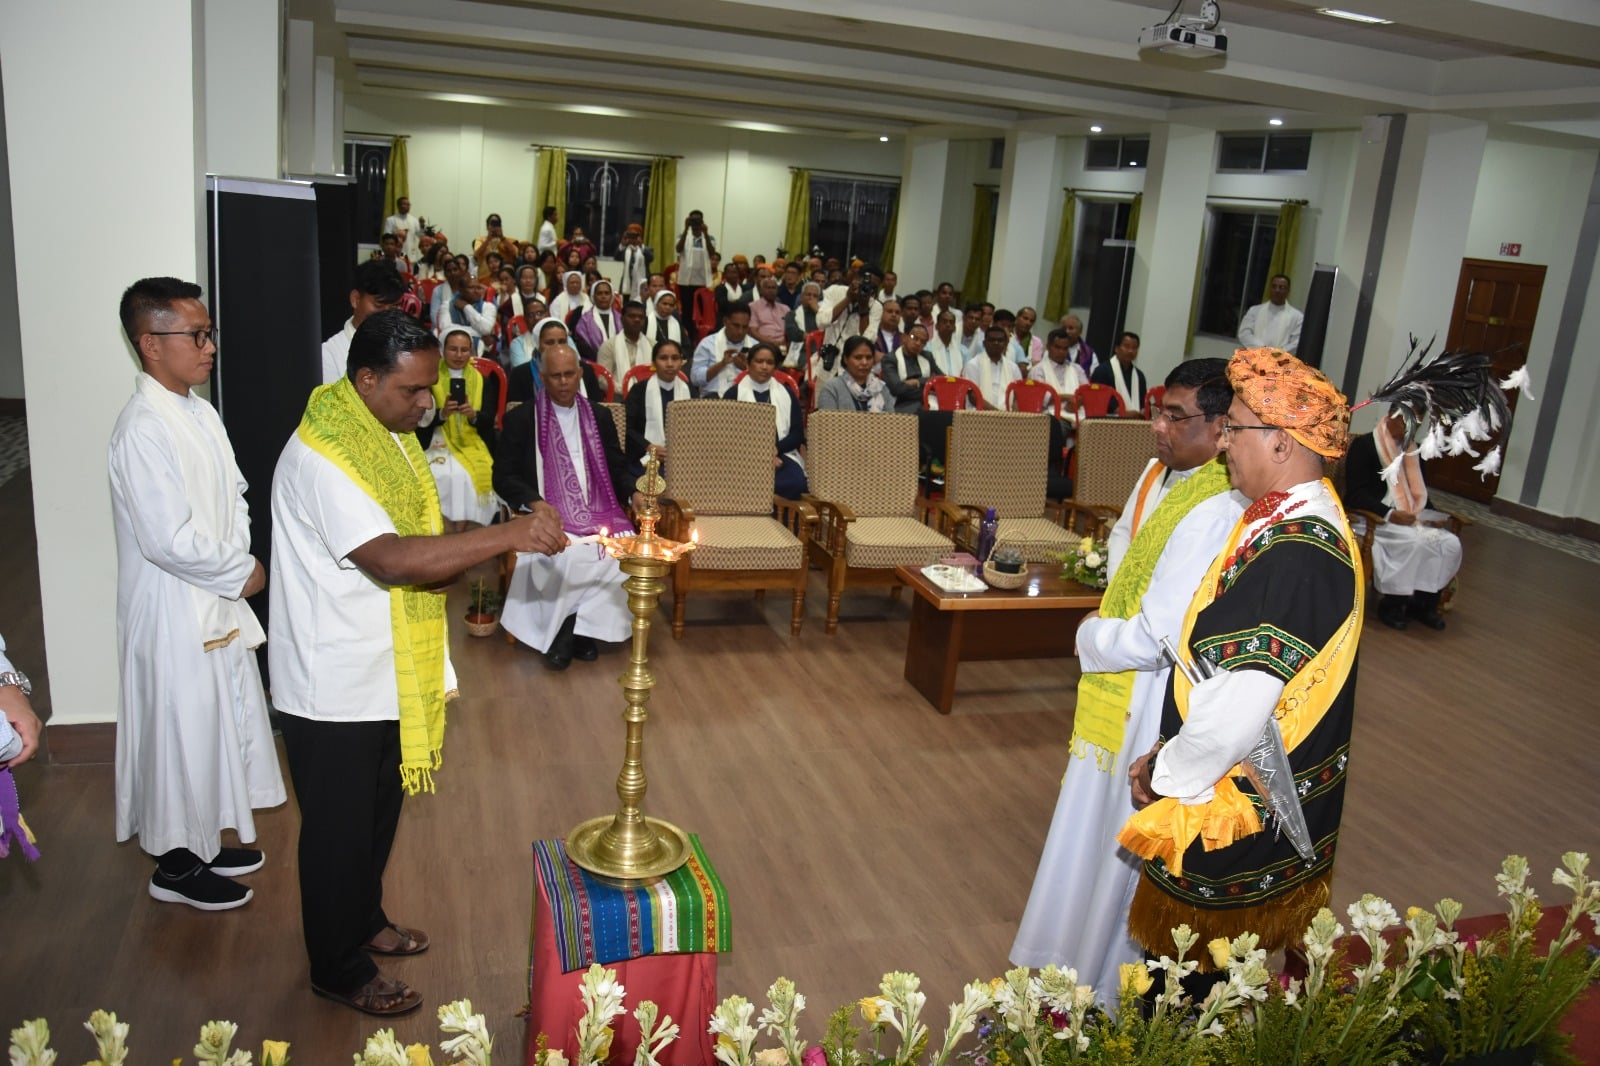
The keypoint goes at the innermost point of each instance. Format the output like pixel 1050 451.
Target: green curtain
pixel 1058 297
pixel 550 188
pixel 797 225
pixel 975 286
pixel 886 260
pixel 1283 248
pixel 398 183
pixel 1133 216
pixel 661 211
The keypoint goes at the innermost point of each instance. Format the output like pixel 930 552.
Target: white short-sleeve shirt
pixel 331 645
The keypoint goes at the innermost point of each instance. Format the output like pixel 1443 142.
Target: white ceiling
pixel 946 67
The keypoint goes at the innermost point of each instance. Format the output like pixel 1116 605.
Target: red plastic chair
pixel 952 394
pixel 606 379
pixel 519 326
pixel 1094 401
pixel 1153 398
pixel 642 373
pixel 705 310
pixel 1032 396
pixel 782 375
pixel 490 368
pixel 425 290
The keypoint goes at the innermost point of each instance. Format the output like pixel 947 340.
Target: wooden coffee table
pixel 1037 621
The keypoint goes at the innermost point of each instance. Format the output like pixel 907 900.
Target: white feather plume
pixel 1518 380
pixel 1460 443
pixel 1490 464
pixel 1432 443
pixel 1391 473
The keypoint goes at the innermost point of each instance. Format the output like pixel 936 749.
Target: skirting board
pixel 13 405
pixel 1578 527
pixel 89 743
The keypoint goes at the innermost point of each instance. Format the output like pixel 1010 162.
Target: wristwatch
pixel 17 678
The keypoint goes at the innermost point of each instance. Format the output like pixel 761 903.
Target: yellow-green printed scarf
pixel 463 439
pixel 338 425
pixel 1104 699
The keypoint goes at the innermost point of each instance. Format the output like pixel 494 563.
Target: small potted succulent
pixel 483 609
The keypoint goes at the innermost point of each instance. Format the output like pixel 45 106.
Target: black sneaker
pixel 200 889
pixel 233 862
pixel 584 649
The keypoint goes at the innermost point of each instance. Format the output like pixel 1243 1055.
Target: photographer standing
pixel 850 310
pixel 695 247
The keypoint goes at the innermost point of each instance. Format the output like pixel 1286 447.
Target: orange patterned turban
pixel 1284 392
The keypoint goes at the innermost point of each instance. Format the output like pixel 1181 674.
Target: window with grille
pixel 850 217
pixel 605 196
pixel 1238 255
pixel 1098 221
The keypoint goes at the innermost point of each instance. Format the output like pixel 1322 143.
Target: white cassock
pixel 1269 325
pixel 1077 913
pixel 582 580
pixel 194 749
pixel 991 378
pixel 1419 558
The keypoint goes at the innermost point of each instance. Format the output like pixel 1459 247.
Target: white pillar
pixel 92 167
pixel 300 82
pixel 1354 241
pixel 1023 239
pixel 1435 185
pixel 916 234
pixel 1167 244
pixel 242 64
pixel 327 152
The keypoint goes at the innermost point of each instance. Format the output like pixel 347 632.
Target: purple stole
pixel 562 490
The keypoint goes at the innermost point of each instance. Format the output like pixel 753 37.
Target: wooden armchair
pixel 1365 525
pixel 863 473
pixel 720 488
pixel 997 459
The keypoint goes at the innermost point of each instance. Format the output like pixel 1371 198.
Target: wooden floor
pixel 857 831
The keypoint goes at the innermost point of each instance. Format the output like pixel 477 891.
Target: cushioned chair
pixel 1110 456
pixel 862 468
pixel 997 459
pixel 720 487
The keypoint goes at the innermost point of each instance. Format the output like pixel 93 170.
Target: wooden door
pixel 1495 307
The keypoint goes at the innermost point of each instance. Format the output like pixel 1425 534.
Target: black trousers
pixel 347 782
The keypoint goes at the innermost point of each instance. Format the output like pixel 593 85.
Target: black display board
pixel 262 277
pixel 336 249
pixel 1319 302
pixel 1108 308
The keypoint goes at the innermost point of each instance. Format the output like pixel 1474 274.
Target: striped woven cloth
pixel 686 911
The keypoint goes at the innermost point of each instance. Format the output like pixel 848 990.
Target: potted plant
pixel 483 609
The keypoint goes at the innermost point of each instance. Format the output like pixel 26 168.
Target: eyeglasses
pixel 1163 416
pixel 201 337
pixel 1229 427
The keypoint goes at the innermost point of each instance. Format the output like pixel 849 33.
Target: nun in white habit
pixel 571 297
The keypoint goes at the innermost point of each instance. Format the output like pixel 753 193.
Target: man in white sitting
pixel 1414 557
pixel 991 371
pixel 720 357
pixel 1274 324
pixel 627 349
pixel 1058 371
pixel 559 449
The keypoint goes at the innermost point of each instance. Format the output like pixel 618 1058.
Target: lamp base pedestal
pixel 628 854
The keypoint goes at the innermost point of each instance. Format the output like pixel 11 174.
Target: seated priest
pixel 757 386
pixel 524 381
pixel 458 434
pixel 559 449
pixel 1414 557
pixel 646 405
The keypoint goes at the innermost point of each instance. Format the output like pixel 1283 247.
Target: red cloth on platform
pixel 684 986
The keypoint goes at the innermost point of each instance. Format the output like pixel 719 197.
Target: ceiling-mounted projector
pixel 1188 35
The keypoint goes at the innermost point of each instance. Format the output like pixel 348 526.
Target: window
pixel 604 196
pixel 1237 259
pixel 850 217
pixel 368 163
pixel 1259 153
pixel 1116 153
pixel 1099 221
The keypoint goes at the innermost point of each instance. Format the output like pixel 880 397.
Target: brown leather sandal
pixel 381 997
pixel 407 941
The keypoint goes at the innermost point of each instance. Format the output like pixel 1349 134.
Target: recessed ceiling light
pixel 1095 129
pixel 884 140
pixel 1354 16
pixel 1274 121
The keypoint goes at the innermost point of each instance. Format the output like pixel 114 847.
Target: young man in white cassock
pixel 560 450
pixel 1175 522
pixel 194 749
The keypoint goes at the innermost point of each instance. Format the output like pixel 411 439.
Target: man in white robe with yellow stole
pixel 194 749
pixel 1176 520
